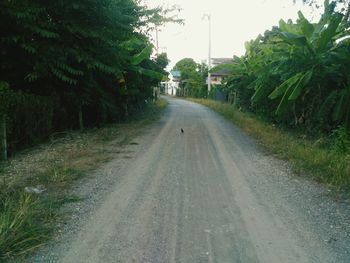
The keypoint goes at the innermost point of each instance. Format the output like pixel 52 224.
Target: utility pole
pixel 208 16
pixel 157 41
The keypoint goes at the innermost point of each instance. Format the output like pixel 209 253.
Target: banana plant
pixel 138 57
pixel 315 42
pixel 298 69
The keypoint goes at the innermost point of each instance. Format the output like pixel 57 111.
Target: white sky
pixel 233 23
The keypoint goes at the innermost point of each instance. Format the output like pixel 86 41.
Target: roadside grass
pixel 314 158
pixel 27 220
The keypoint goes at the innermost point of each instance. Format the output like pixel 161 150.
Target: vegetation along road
pixel 209 194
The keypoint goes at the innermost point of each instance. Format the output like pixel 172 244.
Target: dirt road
pixel 208 195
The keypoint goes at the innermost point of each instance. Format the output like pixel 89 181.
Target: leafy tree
pixel 187 66
pixel 192 77
pixel 162 60
pixel 93 58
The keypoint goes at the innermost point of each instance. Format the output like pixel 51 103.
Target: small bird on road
pixel 182 131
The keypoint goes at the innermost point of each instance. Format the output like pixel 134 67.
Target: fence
pixel 24 120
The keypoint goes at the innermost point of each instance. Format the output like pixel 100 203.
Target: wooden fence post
pixel 3 139
pixel 235 99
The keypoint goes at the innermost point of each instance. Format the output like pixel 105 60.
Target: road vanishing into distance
pixel 210 194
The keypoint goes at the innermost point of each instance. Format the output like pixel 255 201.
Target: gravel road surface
pixel 209 194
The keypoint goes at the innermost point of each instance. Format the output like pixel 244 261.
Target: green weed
pixel 22 224
pixel 59 174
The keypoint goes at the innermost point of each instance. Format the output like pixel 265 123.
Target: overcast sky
pixel 233 23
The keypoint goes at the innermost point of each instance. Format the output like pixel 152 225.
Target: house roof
pixel 221 72
pixel 218 61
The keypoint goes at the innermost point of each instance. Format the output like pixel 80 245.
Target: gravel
pixel 210 194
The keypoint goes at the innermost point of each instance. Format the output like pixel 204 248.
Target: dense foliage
pixel 91 58
pixel 297 74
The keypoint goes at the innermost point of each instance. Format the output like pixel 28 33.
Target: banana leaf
pixel 306 27
pixel 281 89
pixel 288 27
pixel 328 32
pixel 144 54
pixel 303 81
pixel 296 40
pixel 343 107
pixel 151 73
pixel 284 101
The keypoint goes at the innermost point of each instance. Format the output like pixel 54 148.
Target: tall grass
pixel 311 157
pixel 22 224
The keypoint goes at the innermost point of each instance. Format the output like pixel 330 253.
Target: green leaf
pixel 303 81
pixel 289 27
pixel 144 54
pixel 328 32
pixel 281 89
pixel 328 103
pixel 258 93
pixel 151 73
pixel 31 77
pixel 4 86
pixel 284 102
pixel 306 27
pixel 69 69
pixel 293 39
pixel 342 107
pixel 29 48
pixel 60 75
pixel 43 32
pixel 102 67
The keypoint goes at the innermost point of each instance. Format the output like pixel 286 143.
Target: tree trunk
pixel 3 140
pixel 81 122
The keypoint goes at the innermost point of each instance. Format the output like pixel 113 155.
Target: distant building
pixel 170 87
pixel 218 76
